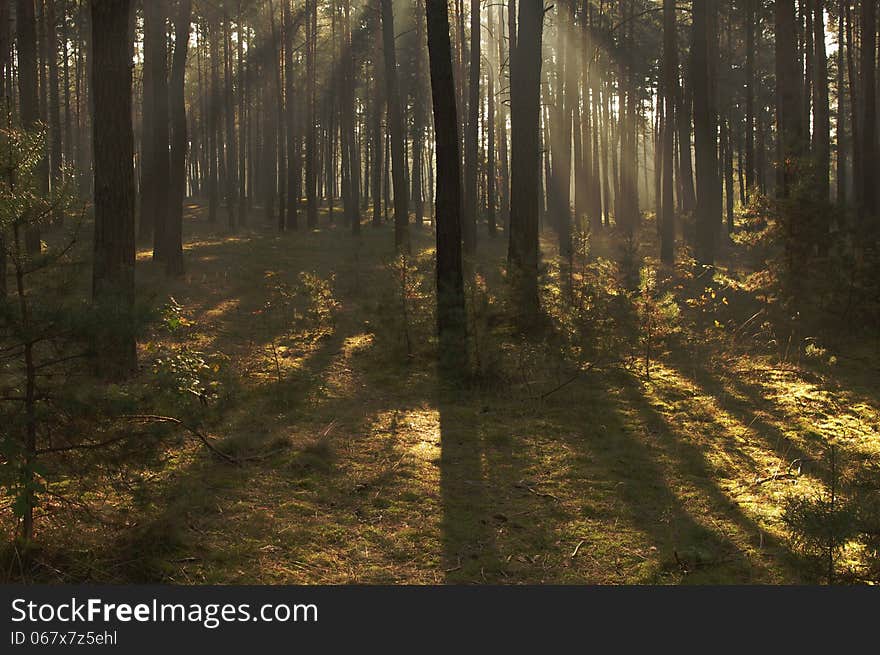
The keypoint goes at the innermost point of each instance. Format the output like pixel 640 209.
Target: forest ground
pixel 356 465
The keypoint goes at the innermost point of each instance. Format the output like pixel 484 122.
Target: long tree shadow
pixel 642 479
pixel 169 537
pixel 740 399
pixel 694 463
pixel 669 493
pixel 468 539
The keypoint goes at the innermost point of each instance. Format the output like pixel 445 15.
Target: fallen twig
pixel 193 431
pixel 571 379
pixel 788 475
pixel 457 567
pixel 542 494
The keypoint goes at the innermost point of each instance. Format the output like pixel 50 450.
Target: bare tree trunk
pixel 670 83
pixel 788 97
pixel 293 155
pixel 311 44
pixel 243 106
pixel 869 109
pixel 28 89
pixel 231 150
pixel 349 143
pixel 471 203
pixel 450 286
pixel 398 164
pixel 156 174
pixel 525 114
pixel 419 126
pixel 54 103
pixel 174 227
pixel 840 128
pixel 821 107
pixel 750 97
pixel 113 274
pixel 378 141
pixel 503 60
pixel 705 130
pixel 491 170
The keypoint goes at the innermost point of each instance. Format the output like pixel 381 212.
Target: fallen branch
pixel 542 494
pixel 574 377
pixel 577 548
pixel 154 418
pixel 748 321
pixel 788 475
pixel 457 567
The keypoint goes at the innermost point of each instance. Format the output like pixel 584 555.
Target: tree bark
pixel 670 83
pixel 155 178
pixel 450 286
pixel 708 216
pixel 471 194
pixel 28 88
pixel 869 109
pixel 525 115
pixel 395 114
pixel 789 112
pixel 114 249
pixel 179 141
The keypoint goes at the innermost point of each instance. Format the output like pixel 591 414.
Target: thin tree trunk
pixel 177 193
pixel 750 97
pixel 231 149
pixel 54 104
pixel 869 109
pixel 156 173
pixel 401 212
pixel 670 81
pixel 471 194
pixel 28 88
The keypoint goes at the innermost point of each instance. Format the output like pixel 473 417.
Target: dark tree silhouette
pixel 113 276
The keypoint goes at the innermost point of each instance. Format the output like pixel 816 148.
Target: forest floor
pixel 356 465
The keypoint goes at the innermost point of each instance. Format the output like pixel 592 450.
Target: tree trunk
pixel 670 83
pixel 561 145
pixel 750 97
pixel 378 142
pixel 293 155
pixel 869 110
pixel 114 252
pixel 398 163
pixel 311 45
pixel 821 108
pixel 349 143
pixel 525 114
pixel 28 88
pixel 491 172
pixel 502 124
pixel 54 104
pixel 705 132
pixel 841 104
pixel 177 193
pixel 788 97
pixel 231 150
pixel 450 286
pixel 155 178
pixel 471 208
